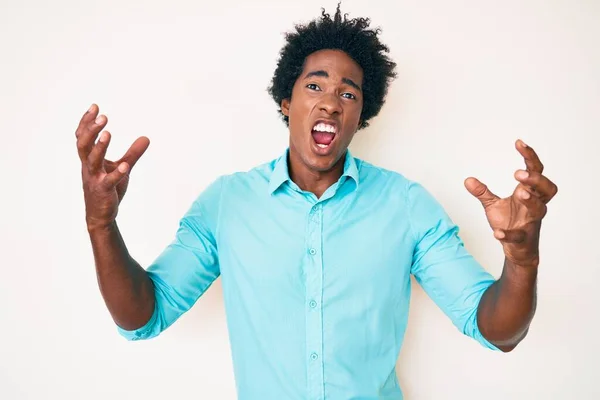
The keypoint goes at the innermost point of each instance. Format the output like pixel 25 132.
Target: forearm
pixel 126 288
pixel 508 305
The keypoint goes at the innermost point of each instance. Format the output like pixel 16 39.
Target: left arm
pixel 508 305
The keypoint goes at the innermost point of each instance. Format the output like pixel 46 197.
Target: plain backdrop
pixel 474 76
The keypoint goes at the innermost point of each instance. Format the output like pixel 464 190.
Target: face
pixel 324 110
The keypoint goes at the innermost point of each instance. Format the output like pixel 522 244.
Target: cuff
pixel 145 332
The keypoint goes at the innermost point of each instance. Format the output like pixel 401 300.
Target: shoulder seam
pixel 218 225
pixel 408 210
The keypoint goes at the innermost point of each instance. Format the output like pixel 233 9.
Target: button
pixel 314 356
pixel 312 252
pixel 312 304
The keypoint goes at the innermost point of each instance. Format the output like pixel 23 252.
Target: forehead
pixel 336 63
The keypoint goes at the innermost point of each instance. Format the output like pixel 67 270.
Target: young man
pixel 316 248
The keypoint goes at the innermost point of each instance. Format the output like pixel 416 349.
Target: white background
pixel 192 75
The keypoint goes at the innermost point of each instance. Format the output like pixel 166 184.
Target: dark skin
pixel 507 307
pixel 125 287
pixel 329 88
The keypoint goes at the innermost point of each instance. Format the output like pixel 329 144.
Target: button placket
pixel 314 289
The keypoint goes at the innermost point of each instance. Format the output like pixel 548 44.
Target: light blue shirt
pixel 316 291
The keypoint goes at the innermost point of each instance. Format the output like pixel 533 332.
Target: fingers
pixel 532 161
pixel 88 117
pixel 137 149
pixel 112 179
pixel 95 159
pixel 88 132
pixel 537 184
pixel 535 207
pixel 481 191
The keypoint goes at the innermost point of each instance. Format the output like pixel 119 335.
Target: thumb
pixel 480 191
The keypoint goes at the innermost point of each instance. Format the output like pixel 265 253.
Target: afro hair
pixel 351 36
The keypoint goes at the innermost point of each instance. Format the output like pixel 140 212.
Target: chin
pixel 322 162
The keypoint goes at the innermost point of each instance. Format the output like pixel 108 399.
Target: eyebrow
pixel 324 74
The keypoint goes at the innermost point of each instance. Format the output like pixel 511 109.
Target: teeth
pixel 323 146
pixel 321 127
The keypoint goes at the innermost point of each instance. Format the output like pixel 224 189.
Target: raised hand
pixel 104 182
pixel 516 220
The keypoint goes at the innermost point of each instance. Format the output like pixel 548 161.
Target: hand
pixel 516 220
pixel 104 182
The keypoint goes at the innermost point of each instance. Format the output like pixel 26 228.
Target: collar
pixel 281 174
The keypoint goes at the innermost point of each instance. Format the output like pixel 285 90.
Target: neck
pixel 313 181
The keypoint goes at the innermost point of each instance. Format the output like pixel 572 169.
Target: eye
pixel 313 86
pixel 349 96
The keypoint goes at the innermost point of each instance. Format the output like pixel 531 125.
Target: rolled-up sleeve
pixel 186 267
pixel 446 271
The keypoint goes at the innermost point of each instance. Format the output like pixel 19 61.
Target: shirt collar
pixel 281 174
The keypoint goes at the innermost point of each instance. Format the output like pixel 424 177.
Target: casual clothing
pixel 316 291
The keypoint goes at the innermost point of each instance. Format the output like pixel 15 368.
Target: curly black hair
pixel 351 36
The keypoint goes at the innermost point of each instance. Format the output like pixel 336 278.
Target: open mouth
pixel 324 134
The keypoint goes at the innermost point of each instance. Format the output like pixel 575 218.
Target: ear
pixel 285 107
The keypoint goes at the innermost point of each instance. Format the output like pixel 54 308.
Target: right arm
pixel 125 286
pixel 143 302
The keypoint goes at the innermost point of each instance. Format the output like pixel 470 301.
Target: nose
pixel 330 103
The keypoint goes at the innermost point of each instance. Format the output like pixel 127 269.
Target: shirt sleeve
pixel 186 267
pixel 449 275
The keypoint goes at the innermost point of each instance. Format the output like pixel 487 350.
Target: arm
pixel 495 313
pixel 443 267
pixel 125 286
pixel 507 307
pixel 143 303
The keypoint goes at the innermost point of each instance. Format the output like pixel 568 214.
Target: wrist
pixel 100 227
pixel 521 273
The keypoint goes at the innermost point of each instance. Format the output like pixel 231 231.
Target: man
pixel 316 248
